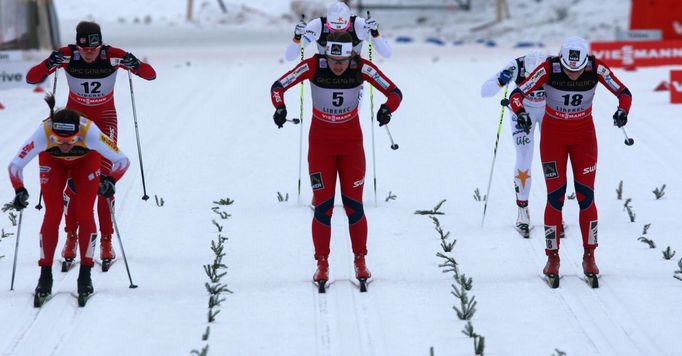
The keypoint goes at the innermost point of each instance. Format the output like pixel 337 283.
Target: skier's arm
pixel 97 141
pixel 126 60
pixel 301 72
pixel 614 85
pixel 378 43
pixel 535 80
pixel 312 34
pixel 39 72
pixel 29 150
pixel 377 79
pixel 491 86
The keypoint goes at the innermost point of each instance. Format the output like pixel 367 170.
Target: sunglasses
pixel 58 140
pixel 89 49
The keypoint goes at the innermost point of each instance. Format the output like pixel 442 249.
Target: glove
pixel 523 121
pixel 130 61
pixel 280 116
pixel 300 30
pixel 372 26
pixel 107 186
pixel 620 118
pixel 20 199
pixel 56 58
pixel 505 77
pixel 384 115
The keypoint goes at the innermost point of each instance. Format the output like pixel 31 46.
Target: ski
pixel 106 264
pixel 321 286
pixel 523 230
pixel 82 298
pixel 552 280
pixel 362 284
pixel 41 298
pixel 67 264
pixel 592 280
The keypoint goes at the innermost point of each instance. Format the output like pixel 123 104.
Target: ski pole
pixel 394 146
pixel 371 118
pixel 294 121
pixel 16 249
pixel 504 103
pixel 120 242
pixel 40 199
pixel 628 141
pixel 137 135
pixel 300 132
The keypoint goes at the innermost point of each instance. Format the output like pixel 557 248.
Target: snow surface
pixel 207 134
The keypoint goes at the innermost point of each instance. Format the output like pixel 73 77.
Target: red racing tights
pixel 84 172
pixel 560 140
pixel 326 159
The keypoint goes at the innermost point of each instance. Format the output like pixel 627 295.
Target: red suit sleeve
pixel 379 80
pixel 304 70
pixel 614 85
pixel 39 72
pixel 144 71
pixel 535 80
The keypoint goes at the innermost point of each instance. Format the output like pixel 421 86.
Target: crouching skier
pixel 335 141
pixel 67 146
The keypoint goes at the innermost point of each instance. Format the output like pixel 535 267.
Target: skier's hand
pixel 505 77
pixel 300 29
pixel 620 118
pixel 372 26
pixel 107 186
pixel 383 115
pixel 56 58
pixel 130 62
pixel 523 121
pixel 20 199
pixel 280 116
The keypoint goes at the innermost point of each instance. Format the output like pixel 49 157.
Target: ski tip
pixel 552 280
pixel 321 286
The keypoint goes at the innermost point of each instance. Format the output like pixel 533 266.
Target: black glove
pixel 523 121
pixel 384 115
pixel 107 186
pixel 56 58
pixel 20 199
pixel 280 116
pixel 130 61
pixel 505 77
pixel 620 118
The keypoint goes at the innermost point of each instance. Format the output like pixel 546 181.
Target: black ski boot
pixel 85 288
pixel 44 287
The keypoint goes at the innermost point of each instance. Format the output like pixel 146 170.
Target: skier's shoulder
pixel 114 52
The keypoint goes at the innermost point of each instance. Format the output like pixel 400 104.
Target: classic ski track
pixel 323 327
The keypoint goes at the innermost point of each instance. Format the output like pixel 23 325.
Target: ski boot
pixel 361 272
pixel 523 222
pixel 551 270
pixel 590 268
pixel 106 252
pixel 85 288
pixel 44 288
pixel 69 250
pixel 322 274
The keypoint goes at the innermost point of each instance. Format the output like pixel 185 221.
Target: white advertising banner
pixel 13 69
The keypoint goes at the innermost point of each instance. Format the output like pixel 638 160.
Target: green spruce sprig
pixel 571 196
pixel 477 195
pixel 159 201
pixel 433 211
pixel 619 191
pixel 668 253
pixel 390 196
pixel 467 307
pixel 226 201
pixel 659 192
pixel 202 352
pixel 282 198
pixel 630 210
pixel 646 228
pixel 649 242
pixel 12 218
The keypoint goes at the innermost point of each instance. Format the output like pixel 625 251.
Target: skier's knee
pixel 354 209
pixel 323 212
pixel 556 198
pixel 584 194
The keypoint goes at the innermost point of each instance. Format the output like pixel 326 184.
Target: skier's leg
pixel 352 178
pixel 108 124
pixel 322 166
pixel 584 162
pixel 53 176
pixel 85 176
pixel 554 155
pixel 71 222
pixel 523 143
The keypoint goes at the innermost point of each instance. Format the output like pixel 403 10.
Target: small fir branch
pixel 159 201
pixel 212 314
pixel 668 253
pixel 214 301
pixel 6 234
pixel 659 192
pixel 477 195
pixel 7 207
pixel 449 264
pixel 679 265
pixel 646 228
pixel 223 215
pixel 467 306
pixel 571 196
pixel 212 272
pixel 206 334
pixel 447 246
pixel 433 211
pixel 226 201
pixel 218 226
pixel 217 288
pixel 282 198
pixel 390 196
pixel 677 276
pixel 203 352
pixel 222 239
pixel 631 213
pixel 469 330
pixel 559 352
pixel 627 202
pixel 12 218
pixel 466 283
pixel 217 249
pixel 619 191
pixel 651 243
pixel 479 345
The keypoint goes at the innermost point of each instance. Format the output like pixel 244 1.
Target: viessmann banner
pixel 638 54
pixel 664 15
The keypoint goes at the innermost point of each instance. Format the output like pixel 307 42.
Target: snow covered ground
pixel 207 134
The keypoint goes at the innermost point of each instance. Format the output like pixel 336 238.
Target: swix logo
pixel 516 101
pixel 676 86
pixel 358 183
pixel 26 149
pixel 278 98
pixel 590 169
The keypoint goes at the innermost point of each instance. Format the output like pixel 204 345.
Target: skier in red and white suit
pixel 570 81
pixel 91 69
pixel 335 140
pixel 67 146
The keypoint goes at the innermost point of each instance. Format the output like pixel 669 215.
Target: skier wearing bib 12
pixel 91 69
pixel 335 140
pixel 517 71
pixel 570 81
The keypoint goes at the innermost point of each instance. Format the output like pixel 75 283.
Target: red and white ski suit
pixel 335 141
pixel 91 93
pixel 568 130
pixel 82 165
